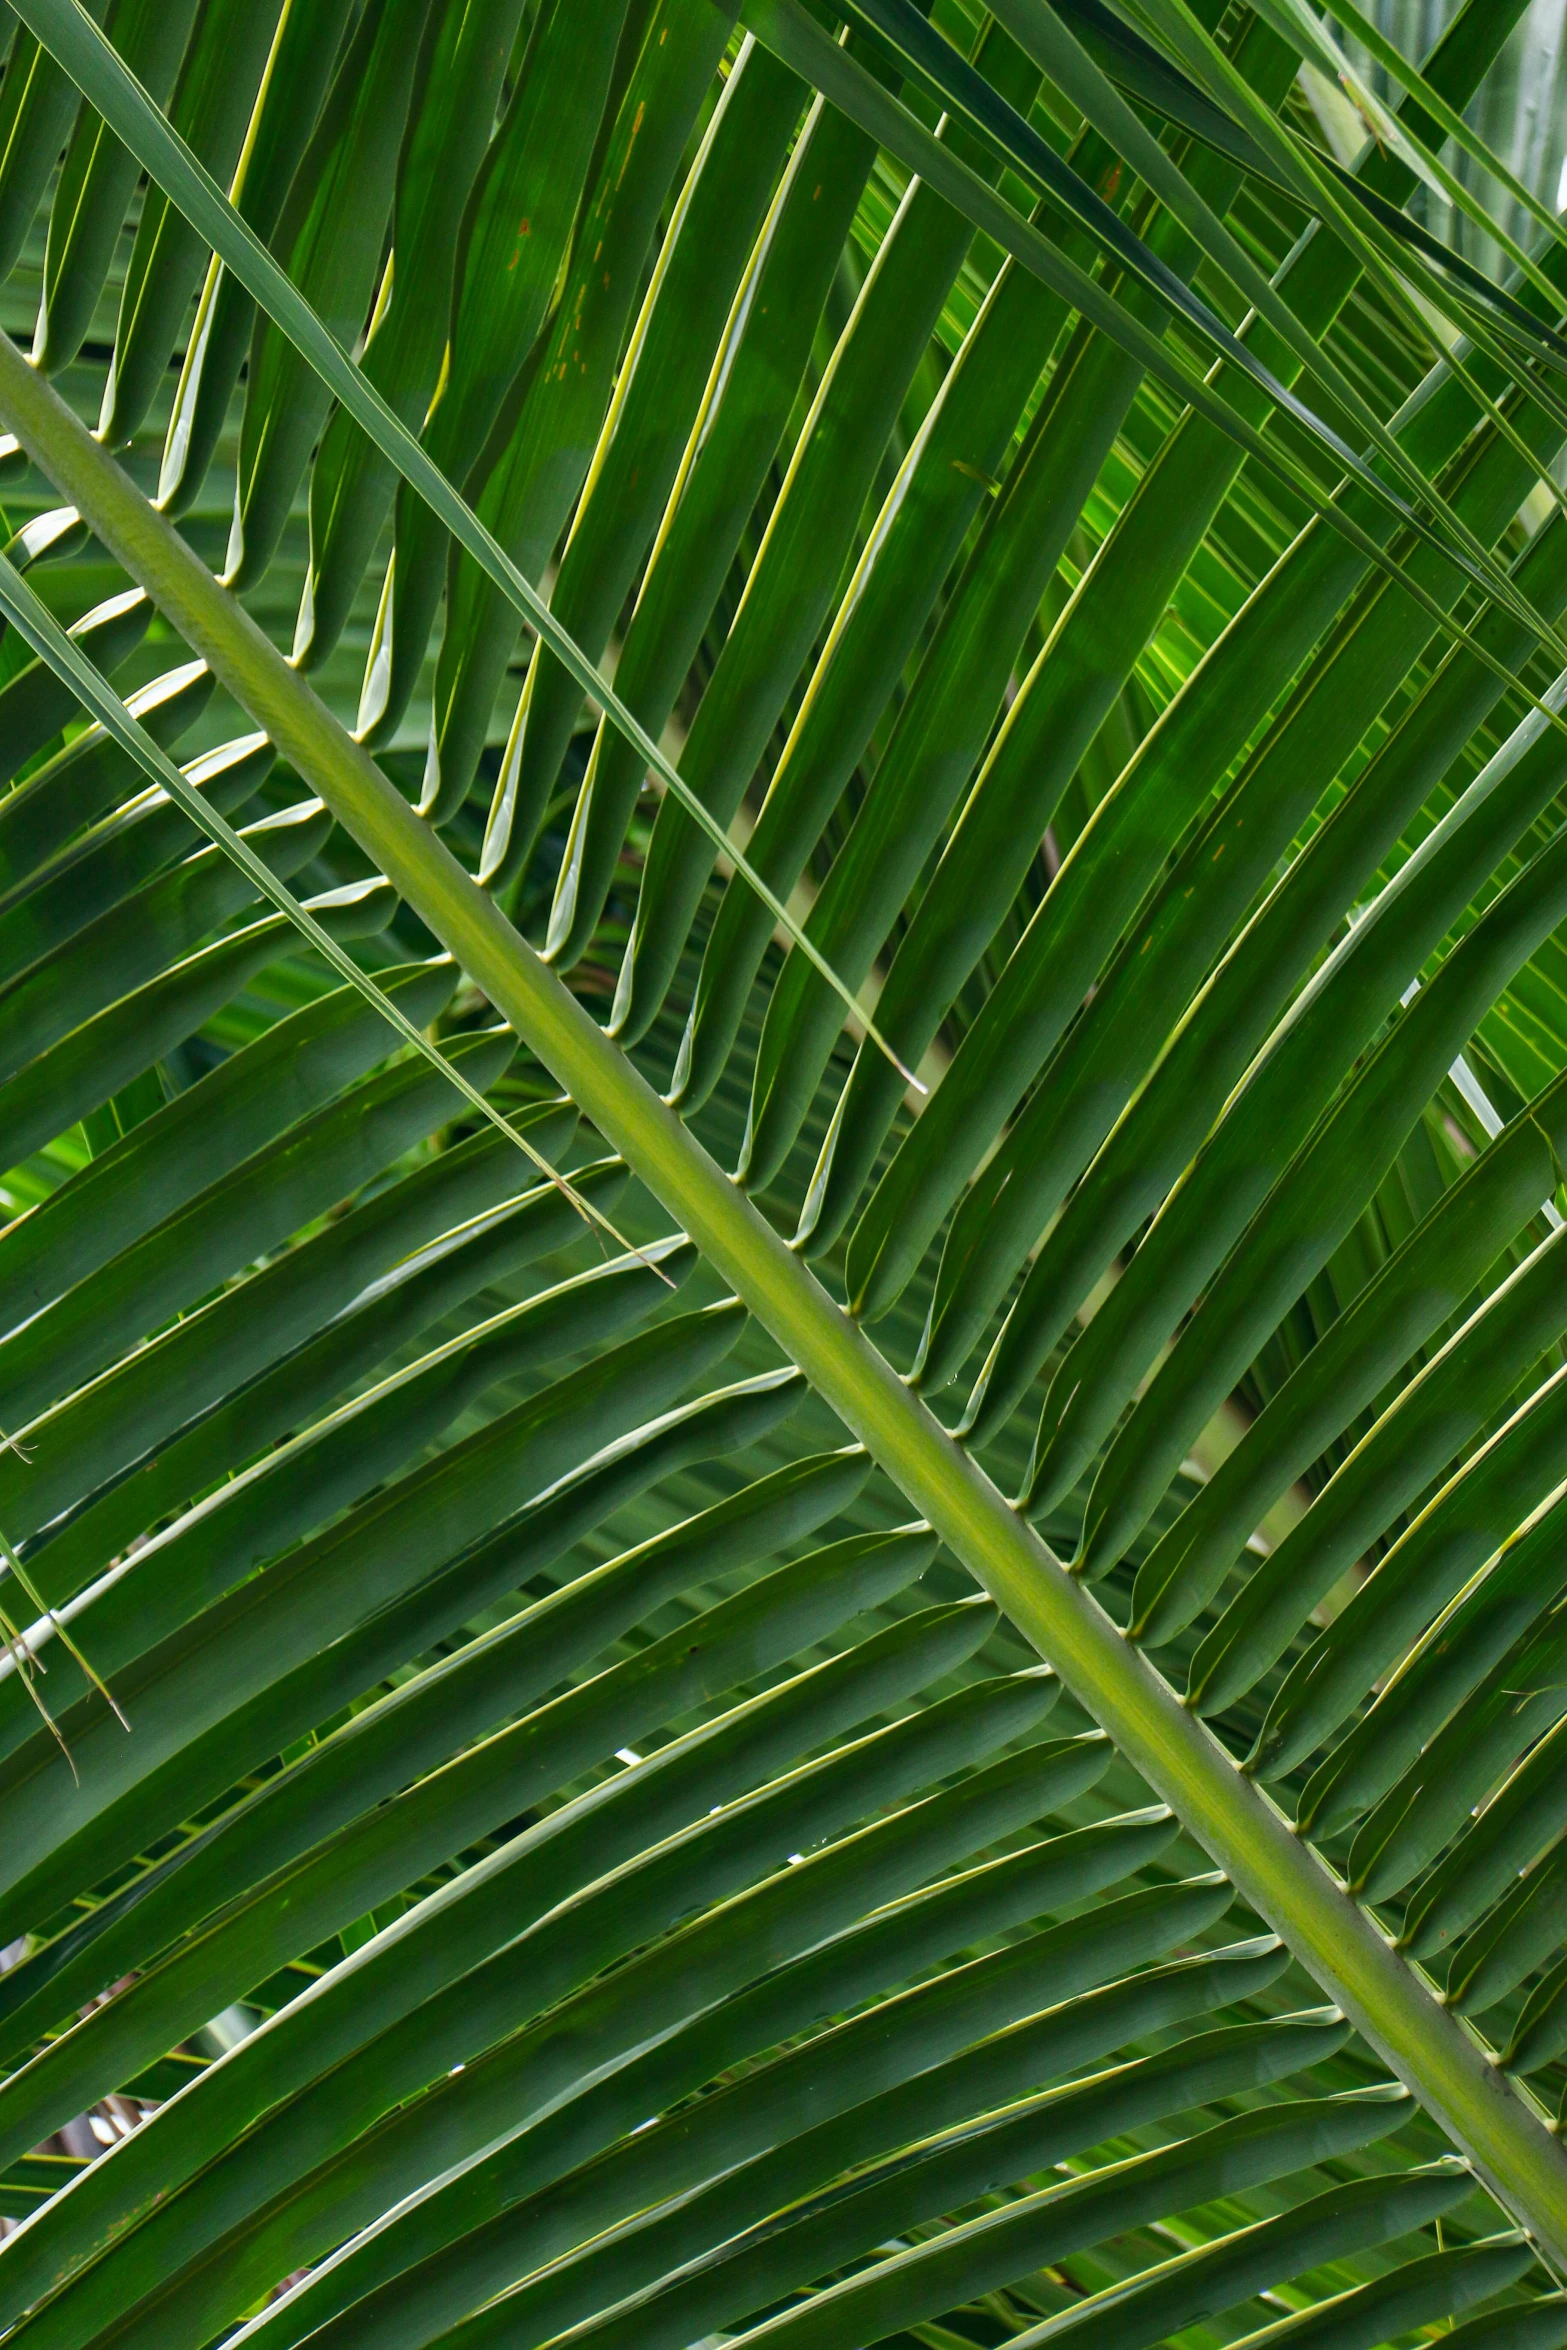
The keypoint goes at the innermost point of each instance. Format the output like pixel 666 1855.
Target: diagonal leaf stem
pixel 1496 2124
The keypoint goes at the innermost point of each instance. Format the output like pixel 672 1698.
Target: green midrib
pixel 1496 2125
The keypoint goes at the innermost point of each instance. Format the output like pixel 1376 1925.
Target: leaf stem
pixel 1497 2126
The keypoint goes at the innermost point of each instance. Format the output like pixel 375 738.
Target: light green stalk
pixel 1496 2125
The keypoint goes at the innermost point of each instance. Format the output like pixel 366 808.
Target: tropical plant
pixel 784 1353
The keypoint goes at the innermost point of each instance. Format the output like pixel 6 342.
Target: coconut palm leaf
pixel 782 1370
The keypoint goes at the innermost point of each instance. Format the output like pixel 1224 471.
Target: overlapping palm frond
pixel 782 1365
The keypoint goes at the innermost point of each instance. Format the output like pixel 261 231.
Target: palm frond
pixel 550 1795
